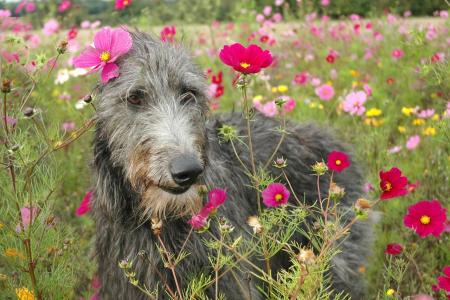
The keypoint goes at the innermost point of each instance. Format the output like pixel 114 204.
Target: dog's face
pixel 153 117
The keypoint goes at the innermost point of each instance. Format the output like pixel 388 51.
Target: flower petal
pixel 110 71
pixel 102 40
pixel 89 58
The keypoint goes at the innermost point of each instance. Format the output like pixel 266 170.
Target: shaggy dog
pixel 154 144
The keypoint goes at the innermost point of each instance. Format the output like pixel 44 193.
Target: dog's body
pixel 133 154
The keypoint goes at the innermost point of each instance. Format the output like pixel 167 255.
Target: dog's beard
pixel 158 203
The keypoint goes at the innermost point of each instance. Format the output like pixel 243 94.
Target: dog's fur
pixel 134 146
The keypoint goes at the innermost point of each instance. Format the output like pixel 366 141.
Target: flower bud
pixel 306 256
pixel 320 168
pixel 6 86
pixel 280 163
pixel 62 47
pixel 29 112
pixel 87 98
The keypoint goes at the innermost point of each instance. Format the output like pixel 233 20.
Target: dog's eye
pixel 187 98
pixel 136 98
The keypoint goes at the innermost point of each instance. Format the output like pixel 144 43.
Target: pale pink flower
pixel 51 27
pixel 443 14
pixel 267 10
pixel 413 142
pixel 354 103
pixel 394 149
pixel 28 216
pixel 279 2
pixel 315 81
pixel 68 126
pixel 277 18
pixel 4 13
pixel 270 109
pixel 109 44
pixel 425 113
pixel 367 89
pixel 325 92
pixel 260 18
pixel 85 24
pixel 325 2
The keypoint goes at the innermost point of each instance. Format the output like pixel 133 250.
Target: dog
pixel 155 144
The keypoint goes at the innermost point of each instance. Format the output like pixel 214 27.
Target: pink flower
pixel 289 103
pixel 51 27
pixel 4 13
pixel 325 92
pixel 443 14
pixel 121 4
pixel 393 249
pixel 28 216
pixel 168 34
pixel 444 281
pixel 425 113
pixel 413 142
pixel 275 194
pixel 198 221
pixel 216 197
pixel 422 297
pixel 64 5
pixel 68 126
pixel 438 56
pixel 426 217
pixel 245 60
pixel 338 161
pixel 394 149
pixel 267 10
pixel 324 2
pixel 85 205
pixel 354 103
pixel 393 184
pixel 397 53
pixel 301 78
pixel 110 44
pixel 367 89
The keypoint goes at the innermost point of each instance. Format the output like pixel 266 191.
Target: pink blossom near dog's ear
pixel 245 60
pixel 275 194
pixel 85 205
pixel 393 249
pixel 393 184
pixel 354 103
pixel 110 44
pixel 325 92
pixel 426 217
pixel 444 281
pixel 413 142
pixel 337 161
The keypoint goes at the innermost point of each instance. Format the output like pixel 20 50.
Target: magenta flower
pixel 4 13
pixel 245 60
pixel 28 216
pixel 426 217
pixel 444 281
pixel 216 197
pixel 198 221
pixel 338 161
pixel 121 4
pixel 275 194
pixel 354 103
pixel 85 205
pixel 325 92
pixel 168 34
pixel 64 5
pixel 393 249
pixel 110 44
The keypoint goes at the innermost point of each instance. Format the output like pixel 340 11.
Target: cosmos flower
pixel 51 27
pixel 393 184
pixel 426 217
pixel 109 44
pixel 325 92
pixel 28 216
pixel 168 33
pixel 393 249
pixel 444 281
pixel 64 5
pixel 85 205
pixel 337 161
pixel 397 53
pixel 275 194
pixel 121 4
pixel 354 103
pixel 245 60
pixel 216 197
pixel 413 142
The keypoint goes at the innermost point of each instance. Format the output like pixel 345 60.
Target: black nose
pixel 185 170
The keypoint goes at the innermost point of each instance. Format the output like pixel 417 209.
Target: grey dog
pixel 154 143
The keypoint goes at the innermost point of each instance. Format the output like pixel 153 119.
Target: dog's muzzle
pixel 184 170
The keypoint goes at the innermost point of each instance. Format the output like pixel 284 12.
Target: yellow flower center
pixel 425 219
pixel 338 162
pixel 278 197
pixel 387 186
pixel 245 65
pixel 105 56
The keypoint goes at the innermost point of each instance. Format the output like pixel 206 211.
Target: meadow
pixel 381 84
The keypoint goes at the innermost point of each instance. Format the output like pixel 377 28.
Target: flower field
pixel 381 84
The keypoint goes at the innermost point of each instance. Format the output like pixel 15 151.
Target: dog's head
pixel 153 119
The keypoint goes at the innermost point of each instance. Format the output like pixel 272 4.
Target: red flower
pixel 426 217
pixel 393 249
pixel 275 194
pixel 72 33
pixel 330 58
pixel 217 79
pixel 85 205
pixel 444 281
pixel 393 184
pixel 245 60
pixel 337 161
